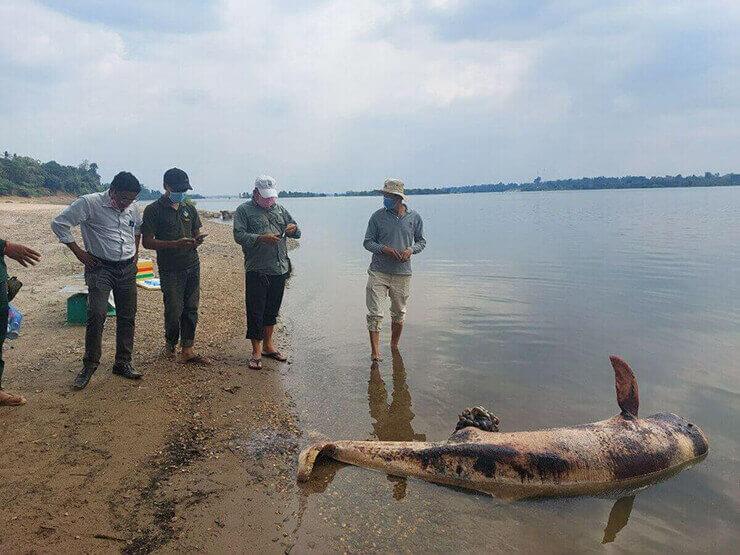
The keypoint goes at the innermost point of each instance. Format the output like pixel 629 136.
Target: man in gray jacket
pixel 261 227
pixel 394 234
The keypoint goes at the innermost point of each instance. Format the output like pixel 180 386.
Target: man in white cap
pixel 261 227
pixel 394 234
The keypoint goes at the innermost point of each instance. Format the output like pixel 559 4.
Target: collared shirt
pixel 162 221
pixel 108 233
pixel 251 221
pixel 386 228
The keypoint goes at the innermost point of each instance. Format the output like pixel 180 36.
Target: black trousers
pixel 181 294
pixel 264 297
pixel 121 279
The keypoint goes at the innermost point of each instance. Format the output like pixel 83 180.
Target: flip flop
pixel 276 355
pixel 255 364
pixel 198 359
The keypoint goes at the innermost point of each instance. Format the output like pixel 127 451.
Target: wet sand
pixel 189 458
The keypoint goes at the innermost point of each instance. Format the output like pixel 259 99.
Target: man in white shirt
pixel 110 225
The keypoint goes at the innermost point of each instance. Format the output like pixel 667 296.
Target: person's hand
pixel 185 243
pixel 290 229
pixel 270 239
pixel 87 259
pixel 405 255
pixel 200 238
pixel 390 251
pixel 22 254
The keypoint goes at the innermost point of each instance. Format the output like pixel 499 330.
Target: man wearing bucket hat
pixel 172 226
pixel 261 227
pixel 394 234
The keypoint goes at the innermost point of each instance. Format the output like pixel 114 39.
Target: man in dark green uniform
pixel 171 226
pixel 25 256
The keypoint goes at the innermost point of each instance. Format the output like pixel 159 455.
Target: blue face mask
pixel 177 197
pixel 389 203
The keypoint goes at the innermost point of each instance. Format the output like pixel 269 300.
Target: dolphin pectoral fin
pixel 307 459
pixel 628 397
pixel 618 518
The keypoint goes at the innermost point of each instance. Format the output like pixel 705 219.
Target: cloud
pixel 339 94
pixel 160 16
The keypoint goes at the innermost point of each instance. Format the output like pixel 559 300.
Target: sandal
pixel 255 364
pixel 276 355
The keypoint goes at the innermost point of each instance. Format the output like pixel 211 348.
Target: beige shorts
pixel 379 287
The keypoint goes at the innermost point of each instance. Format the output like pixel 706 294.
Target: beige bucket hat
pixel 394 187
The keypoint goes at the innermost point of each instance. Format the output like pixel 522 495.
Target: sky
pixel 334 95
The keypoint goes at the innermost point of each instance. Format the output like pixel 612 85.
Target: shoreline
pixel 188 458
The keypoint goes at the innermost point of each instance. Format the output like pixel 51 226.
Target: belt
pixel 116 263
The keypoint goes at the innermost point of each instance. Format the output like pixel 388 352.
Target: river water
pixel 516 304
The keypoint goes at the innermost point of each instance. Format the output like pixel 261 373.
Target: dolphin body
pixel 620 455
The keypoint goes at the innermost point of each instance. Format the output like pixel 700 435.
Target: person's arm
pixel 419 241
pixel 245 238
pixel 148 240
pixel 371 237
pixel 371 241
pixel 137 241
pixel 292 230
pixel 72 216
pixel 20 253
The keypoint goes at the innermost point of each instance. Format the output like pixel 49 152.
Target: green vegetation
pixel 299 194
pixel 584 183
pixel 26 177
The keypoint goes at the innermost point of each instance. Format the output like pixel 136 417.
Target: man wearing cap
pixel 172 226
pixel 261 227
pixel 394 234
pixel 110 225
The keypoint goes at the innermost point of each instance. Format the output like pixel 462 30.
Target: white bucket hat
pixel 266 186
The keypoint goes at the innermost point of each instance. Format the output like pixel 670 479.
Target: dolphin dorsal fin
pixel 628 397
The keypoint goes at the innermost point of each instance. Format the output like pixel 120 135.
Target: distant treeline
pixel 302 194
pixel 584 183
pixel 26 177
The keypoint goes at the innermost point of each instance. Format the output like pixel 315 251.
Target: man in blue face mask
pixel 394 234
pixel 172 226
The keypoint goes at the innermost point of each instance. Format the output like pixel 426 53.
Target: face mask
pixel 177 197
pixel 262 202
pixel 389 203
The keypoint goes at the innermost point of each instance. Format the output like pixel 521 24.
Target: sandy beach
pixel 189 458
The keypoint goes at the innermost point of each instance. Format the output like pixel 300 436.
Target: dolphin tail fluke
pixel 628 397
pixel 308 457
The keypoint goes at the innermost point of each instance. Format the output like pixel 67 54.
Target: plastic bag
pixel 15 319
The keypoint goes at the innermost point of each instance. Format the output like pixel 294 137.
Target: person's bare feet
pixel 193 358
pixel 189 356
pixel 8 400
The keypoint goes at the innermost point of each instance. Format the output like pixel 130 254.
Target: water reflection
pixel 392 421
pixel 618 518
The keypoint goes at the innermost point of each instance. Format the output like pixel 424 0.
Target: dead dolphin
pixel 621 454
